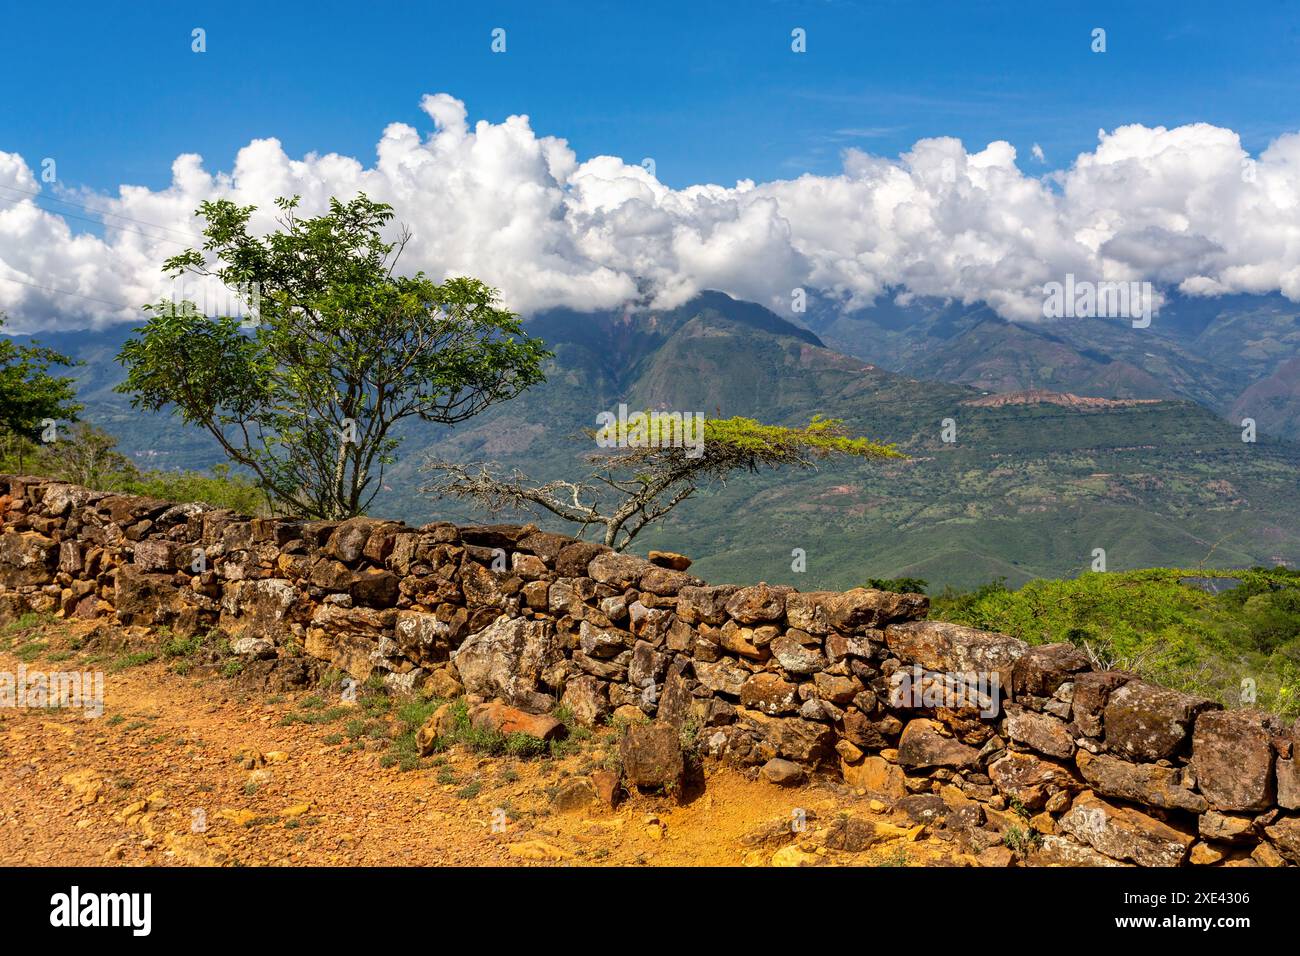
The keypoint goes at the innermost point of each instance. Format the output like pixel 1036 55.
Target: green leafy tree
pixel 87 456
pixel 337 349
pixel 647 476
pixel 30 395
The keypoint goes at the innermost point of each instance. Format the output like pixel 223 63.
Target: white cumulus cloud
pixel 1185 207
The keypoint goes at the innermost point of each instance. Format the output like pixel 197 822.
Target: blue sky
pixel 711 91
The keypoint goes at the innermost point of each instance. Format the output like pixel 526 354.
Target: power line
pixel 96 222
pixel 46 288
pixel 99 212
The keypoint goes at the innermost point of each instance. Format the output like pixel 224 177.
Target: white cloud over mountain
pixel 1186 207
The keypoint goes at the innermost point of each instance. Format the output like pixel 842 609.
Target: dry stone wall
pixel 1103 767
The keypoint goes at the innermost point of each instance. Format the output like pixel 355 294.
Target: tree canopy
pixel 650 472
pixel 337 350
pixel 29 393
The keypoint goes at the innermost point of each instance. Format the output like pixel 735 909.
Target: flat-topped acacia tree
pixel 630 487
pixel 305 392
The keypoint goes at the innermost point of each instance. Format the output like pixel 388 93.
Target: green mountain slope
pixel 1029 489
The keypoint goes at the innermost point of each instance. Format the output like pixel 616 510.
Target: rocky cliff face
pixel 1106 768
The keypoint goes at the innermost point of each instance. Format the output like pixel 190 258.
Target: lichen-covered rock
pixel 860 608
pixel 954 648
pixel 422 636
pixel 791 737
pixel 1285 837
pixel 587 698
pixel 1092 690
pixel 1030 779
pixel 1042 669
pixel 1147 783
pixel 573 559
pixel 618 570
pixel 1041 732
pixel 758 604
pixel 1123 833
pixel 1055 850
pixel 810 611
pixel 143 598
pixel 795 658
pixel 27 559
pixel 507 659
pixel 770 694
pixel 1225 827
pixel 922 745
pixel 704 605
pixel 1232 755
pixel 263 607
pixel 155 556
pixel 723 677
pixel 1288 782
pixel 1150 723
pixel 665 581
pixel 349 539
pixel 652 756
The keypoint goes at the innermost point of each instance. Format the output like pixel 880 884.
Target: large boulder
pixel 27 559
pixel 1030 779
pixel 500 718
pixel 954 648
pixel 262 608
pixel 507 659
pixel 704 605
pixel 1042 669
pixel 758 604
pixel 1124 833
pixel 652 756
pixel 1146 722
pixel 1146 783
pixel 922 745
pixel 1232 754
pixel 1041 732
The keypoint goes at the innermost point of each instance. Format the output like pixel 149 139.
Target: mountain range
pixel 1040 476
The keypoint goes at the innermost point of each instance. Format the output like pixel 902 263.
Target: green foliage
pixel 341 350
pixel 778 444
pixel 88 456
pixel 1168 632
pixel 655 467
pixel 29 393
pixel 898 585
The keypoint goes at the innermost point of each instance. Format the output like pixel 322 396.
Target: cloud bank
pixel 1185 207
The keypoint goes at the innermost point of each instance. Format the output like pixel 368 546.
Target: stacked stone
pixel 1108 769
